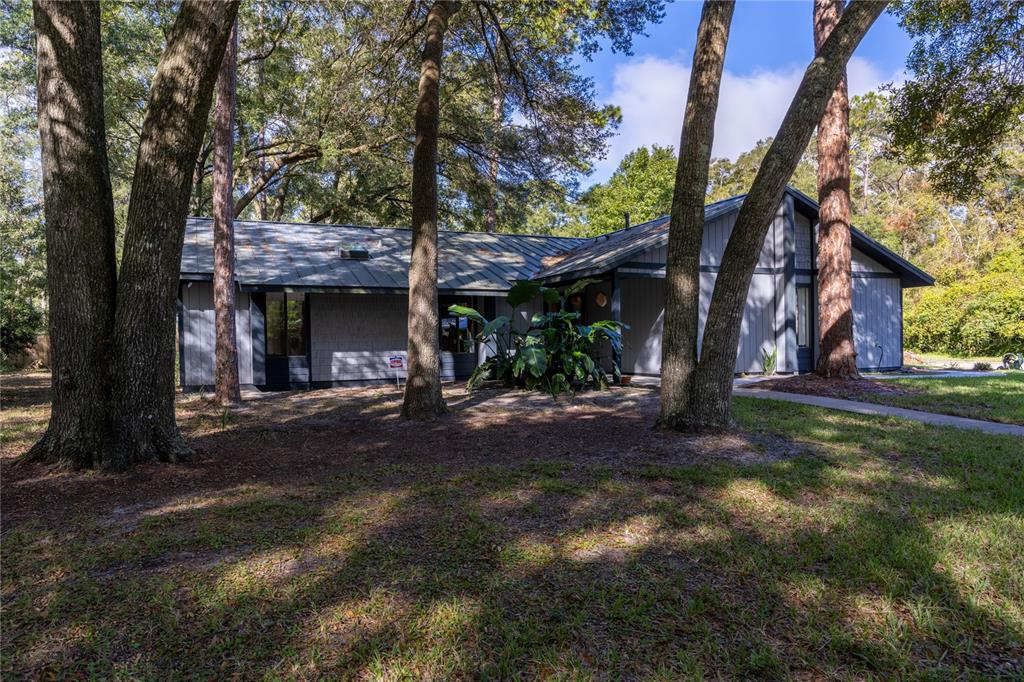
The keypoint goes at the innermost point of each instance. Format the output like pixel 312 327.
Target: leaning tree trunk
pixel 712 384
pixel 226 368
pixel 172 131
pixel 79 212
pixel 838 357
pixel 423 398
pixel 686 229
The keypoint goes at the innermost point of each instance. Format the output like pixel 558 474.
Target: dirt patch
pixel 846 389
pixel 287 440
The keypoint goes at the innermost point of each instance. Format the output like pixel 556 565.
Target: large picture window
pixel 803 316
pixel 286 324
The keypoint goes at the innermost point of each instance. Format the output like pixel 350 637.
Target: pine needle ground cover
pixel 318 536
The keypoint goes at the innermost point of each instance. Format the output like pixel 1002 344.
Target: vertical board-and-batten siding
pixel 877 325
pixel 199 339
pixel 643 303
pixel 352 336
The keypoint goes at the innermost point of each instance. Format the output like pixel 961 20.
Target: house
pixel 322 305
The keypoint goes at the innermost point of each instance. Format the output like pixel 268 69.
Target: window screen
pixel 803 316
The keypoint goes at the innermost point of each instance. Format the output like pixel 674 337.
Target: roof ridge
pixel 387 227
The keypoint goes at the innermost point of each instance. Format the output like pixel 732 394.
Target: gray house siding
pixel 878 322
pixel 198 335
pixel 352 336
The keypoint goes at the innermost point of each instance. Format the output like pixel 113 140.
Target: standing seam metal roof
pixel 306 255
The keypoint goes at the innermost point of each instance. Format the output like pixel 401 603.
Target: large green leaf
pixel 535 359
pixel 522 292
pixel 463 311
pixel 493 326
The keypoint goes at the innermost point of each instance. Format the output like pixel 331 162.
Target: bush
pixel 554 355
pixel 20 322
pixel 982 367
pixel 982 316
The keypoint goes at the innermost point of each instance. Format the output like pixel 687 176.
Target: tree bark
pixel 79 212
pixel 686 229
pixel 494 155
pixel 423 398
pixel 712 383
pixel 227 390
pixel 176 114
pixel 838 357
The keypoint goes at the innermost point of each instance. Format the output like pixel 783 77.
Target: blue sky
pixel 770 43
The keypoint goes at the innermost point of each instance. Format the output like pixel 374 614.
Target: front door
pixel 287 358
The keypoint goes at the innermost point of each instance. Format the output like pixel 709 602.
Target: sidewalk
pixel 884 410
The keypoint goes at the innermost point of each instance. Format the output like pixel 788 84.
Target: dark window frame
pixel 804 321
pixel 284 332
pixel 470 327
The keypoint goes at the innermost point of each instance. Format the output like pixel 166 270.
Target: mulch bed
pixel 295 438
pixel 847 389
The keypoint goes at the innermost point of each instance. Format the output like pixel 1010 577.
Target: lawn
pixel 998 398
pixel 318 536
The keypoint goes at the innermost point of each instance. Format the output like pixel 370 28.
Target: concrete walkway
pixel 884 410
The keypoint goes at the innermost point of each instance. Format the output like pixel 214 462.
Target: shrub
pixel 982 367
pixel 20 322
pixel 769 361
pixel 554 355
pixel 981 316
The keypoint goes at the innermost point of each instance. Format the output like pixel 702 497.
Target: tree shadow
pixel 551 558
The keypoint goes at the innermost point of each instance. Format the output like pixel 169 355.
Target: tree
pixel 79 217
pixel 686 226
pixel 423 398
pixel 967 90
pixel 711 388
pixel 641 186
pixel 837 354
pixel 730 178
pixel 226 368
pixel 113 332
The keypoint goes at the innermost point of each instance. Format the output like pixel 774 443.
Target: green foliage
pixel 769 360
pixel 967 90
pixel 979 316
pixel 728 178
pixel 641 186
pixel 555 354
pixel 22 245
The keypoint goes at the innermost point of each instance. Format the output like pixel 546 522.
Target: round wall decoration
pixel 601 299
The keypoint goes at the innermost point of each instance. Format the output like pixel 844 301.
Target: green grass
pixel 890 550
pixel 997 398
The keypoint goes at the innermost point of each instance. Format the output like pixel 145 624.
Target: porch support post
pixel 616 315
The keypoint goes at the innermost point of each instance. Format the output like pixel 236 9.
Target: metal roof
pixel 273 255
pixel 270 255
pixel 608 251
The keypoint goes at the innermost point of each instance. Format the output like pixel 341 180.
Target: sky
pixel 770 44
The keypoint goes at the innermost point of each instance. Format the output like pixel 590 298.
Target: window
pixel 456 332
pixel 286 324
pixel 803 316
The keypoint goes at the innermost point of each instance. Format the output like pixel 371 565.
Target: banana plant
pixel 556 353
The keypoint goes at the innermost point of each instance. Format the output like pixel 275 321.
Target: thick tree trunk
pixel 712 383
pixel 494 157
pixel 686 229
pixel 79 212
pixel 837 358
pixel 176 114
pixel 423 388
pixel 226 369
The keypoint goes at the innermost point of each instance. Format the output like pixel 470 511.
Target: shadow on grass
pixel 476 548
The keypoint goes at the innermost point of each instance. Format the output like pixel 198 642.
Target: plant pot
pixel 625 379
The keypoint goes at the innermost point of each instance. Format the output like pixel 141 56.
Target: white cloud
pixel 651 92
